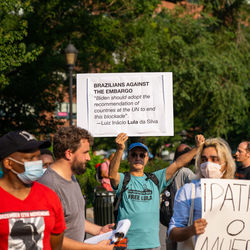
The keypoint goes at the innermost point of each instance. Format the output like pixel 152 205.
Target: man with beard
pixel 71 147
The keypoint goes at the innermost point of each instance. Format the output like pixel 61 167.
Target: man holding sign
pixel 213 160
pixel 140 197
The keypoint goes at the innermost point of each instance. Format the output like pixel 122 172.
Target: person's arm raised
pixel 185 158
pixel 115 162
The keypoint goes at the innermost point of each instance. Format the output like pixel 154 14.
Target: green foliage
pixel 88 181
pixel 209 58
pixel 210 65
pixel 227 11
pixel 157 144
pixel 105 143
pixel 30 77
pixel 124 166
pixel 13 30
pixel 155 164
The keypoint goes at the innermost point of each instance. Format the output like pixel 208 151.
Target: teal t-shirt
pixel 140 204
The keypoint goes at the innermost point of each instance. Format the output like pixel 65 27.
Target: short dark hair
pixel 46 151
pixel 181 152
pixel 69 138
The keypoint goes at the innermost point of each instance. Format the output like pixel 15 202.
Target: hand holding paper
pixel 115 235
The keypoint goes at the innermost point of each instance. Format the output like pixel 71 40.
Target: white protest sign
pixel 139 104
pixel 226 207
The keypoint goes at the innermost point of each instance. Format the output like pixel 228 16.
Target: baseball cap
pixel 20 141
pixel 138 144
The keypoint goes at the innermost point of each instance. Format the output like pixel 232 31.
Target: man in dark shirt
pixel 243 157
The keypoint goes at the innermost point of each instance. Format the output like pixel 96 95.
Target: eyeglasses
pixel 141 155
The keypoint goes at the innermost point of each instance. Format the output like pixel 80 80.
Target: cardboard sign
pixel 226 207
pixel 139 104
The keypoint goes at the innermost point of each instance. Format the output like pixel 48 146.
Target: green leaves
pixel 209 57
pixel 13 30
pixel 208 66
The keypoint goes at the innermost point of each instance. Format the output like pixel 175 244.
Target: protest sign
pixel 225 206
pixel 139 104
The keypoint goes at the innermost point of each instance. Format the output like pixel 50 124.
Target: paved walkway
pixel 89 217
pixel 90 214
pixel 163 229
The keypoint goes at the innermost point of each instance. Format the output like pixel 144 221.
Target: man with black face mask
pixel 71 146
pixel 31 215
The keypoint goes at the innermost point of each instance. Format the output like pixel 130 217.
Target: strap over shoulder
pixel 118 199
pixel 126 179
pixel 191 213
pixel 153 178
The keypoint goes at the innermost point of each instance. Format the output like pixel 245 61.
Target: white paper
pixel 226 208
pixel 139 104
pixel 122 227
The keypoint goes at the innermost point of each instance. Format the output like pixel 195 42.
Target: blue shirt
pixel 182 204
pixel 140 204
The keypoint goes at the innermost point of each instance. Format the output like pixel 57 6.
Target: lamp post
pixel 71 55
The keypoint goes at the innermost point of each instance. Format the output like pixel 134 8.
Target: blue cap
pixel 138 144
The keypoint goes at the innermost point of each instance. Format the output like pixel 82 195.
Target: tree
pixel 209 58
pixel 33 89
pixel 209 63
pixel 227 11
pixel 13 29
pixel 32 93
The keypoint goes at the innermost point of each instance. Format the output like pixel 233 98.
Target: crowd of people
pixel 42 206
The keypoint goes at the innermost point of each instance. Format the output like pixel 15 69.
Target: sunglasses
pixel 141 155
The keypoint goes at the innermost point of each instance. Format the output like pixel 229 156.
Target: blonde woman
pixel 213 160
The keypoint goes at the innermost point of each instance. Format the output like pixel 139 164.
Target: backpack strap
pixel 119 198
pixel 191 213
pixel 153 178
pixel 126 180
pixel 168 188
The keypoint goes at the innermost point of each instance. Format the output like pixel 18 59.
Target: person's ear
pixel 248 154
pixel 7 163
pixel 68 154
